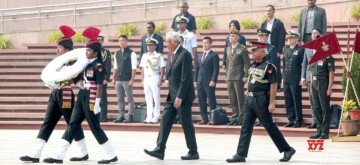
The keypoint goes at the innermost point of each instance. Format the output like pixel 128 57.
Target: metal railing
pixel 76 11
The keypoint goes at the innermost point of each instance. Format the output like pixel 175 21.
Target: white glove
pixel 97 108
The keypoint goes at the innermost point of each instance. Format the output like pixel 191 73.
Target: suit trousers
pixel 237 97
pixel 293 103
pixel 321 104
pixel 81 112
pixel 308 84
pixel 206 93
pixel 122 88
pixel 53 114
pixel 307 38
pixel 167 121
pixel 257 107
pixel 104 103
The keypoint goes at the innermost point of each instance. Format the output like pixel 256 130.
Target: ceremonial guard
pixel 293 58
pixel 237 65
pixel 61 103
pixel 260 103
pixel 152 72
pixel 106 59
pixel 88 102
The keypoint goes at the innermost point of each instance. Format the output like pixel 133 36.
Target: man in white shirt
pixel 152 72
pixel 125 63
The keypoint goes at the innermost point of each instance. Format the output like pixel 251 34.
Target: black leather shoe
pixel 51 160
pixel 289 125
pixel 231 122
pixel 258 124
pixel 119 120
pixel 316 136
pixel 86 157
pixel 155 154
pixel 236 158
pixel 288 155
pixel 104 120
pixel 324 136
pixel 297 125
pixel 29 159
pixel 190 156
pixel 108 161
pixel 312 126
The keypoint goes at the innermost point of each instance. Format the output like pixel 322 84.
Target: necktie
pixel 172 57
pixel 203 58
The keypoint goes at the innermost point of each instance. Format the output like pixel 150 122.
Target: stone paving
pixel 213 149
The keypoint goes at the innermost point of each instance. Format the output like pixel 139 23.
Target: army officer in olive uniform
pixel 293 57
pixel 237 65
pixel 260 103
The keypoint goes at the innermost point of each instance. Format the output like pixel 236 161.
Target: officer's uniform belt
pixel 320 77
pixel 254 94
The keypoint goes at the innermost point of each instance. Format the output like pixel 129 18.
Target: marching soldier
pixel 260 103
pixel 322 73
pixel 61 103
pixel 88 102
pixel 106 59
pixel 293 57
pixel 237 64
pixel 152 72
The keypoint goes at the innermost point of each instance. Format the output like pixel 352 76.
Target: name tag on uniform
pixel 89 73
pixel 314 78
pixel 320 63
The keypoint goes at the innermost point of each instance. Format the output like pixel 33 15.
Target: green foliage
pixel 355 76
pixel 79 38
pixel 203 23
pixel 54 36
pixel 296 16
pixel 249 23
pixel 160 28
pixel 4 42
pixel 355 11
pixel 126 29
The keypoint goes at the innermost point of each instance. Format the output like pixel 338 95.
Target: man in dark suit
pixel 208 65
pixel 233 25
pixel 293 58
pixel 191 24
pixel 238 63
pixel 310 18
pixel 106 57
pixel 276 38
pixel 150 27
pixel 179 100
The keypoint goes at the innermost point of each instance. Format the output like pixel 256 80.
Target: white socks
pixel 109 150
pixel 36 151
pixel 81 149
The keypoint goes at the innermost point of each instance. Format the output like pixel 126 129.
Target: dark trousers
pixel 308 84
pixel 81 112
pixel 257 107
pixel 321 105
pixel 104 103
pixel 237 97
pixel 167 121
pixel 53 114
pixel 307 38
pixel 293 103
pixel 278 72
pixel 206 93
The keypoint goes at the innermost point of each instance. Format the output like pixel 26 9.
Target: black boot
pixel 86 157
pixel 29 159
pixel 129 119
pixel 288 155
pixel 312 126
pixel 119 120
pixel 52 160
pixel 190 156
pixel 156 154
pixel 236 158
pixel 108 161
